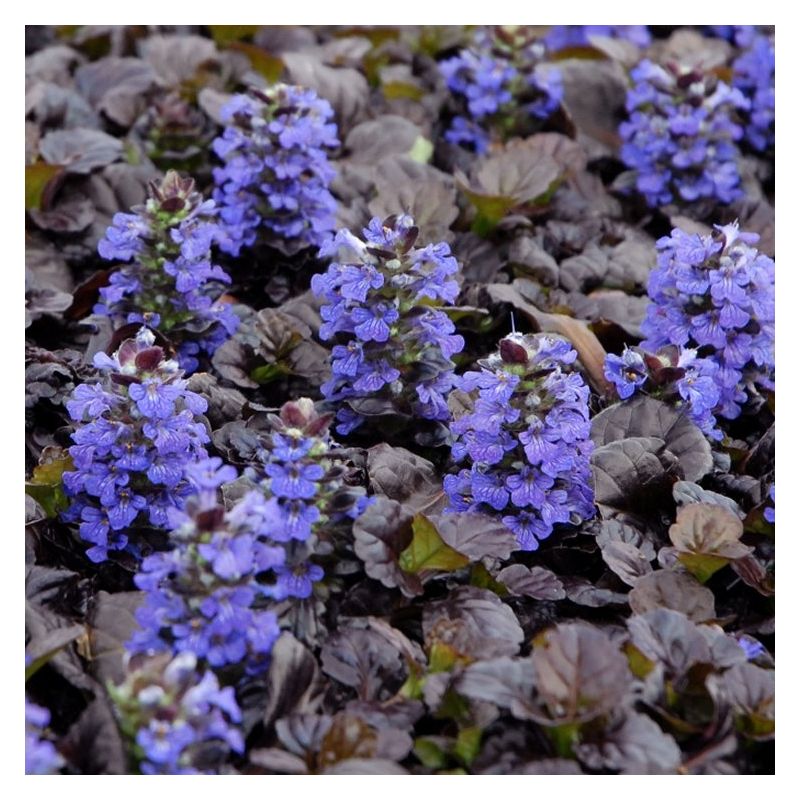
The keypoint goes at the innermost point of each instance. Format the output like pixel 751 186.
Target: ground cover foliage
pixel 399 400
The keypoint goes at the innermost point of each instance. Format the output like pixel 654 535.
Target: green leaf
pixel 421 151
pixel 468 744
pixel 412 688
pixel 45 485
pixel 755 726
pixel 398 90
pixel 491 209
pixel 429 753
pixel 263 62
pixel 481 577
pixel 442 657
pixel 224 35
pixel 564 737
pixel 37 178
pixel 639 664
pixel 702 566
pixel 427 551
pixel 268 372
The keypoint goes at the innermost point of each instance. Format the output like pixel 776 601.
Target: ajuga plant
pixel 526 441
pixel 681 133
pixel 177 135
pixel 207 594
pixel 561 37
pixel 276 172
pixel 137 430
pixel 382 309
pixel 500 87
pixel 304 482
pixel 41 756
pixel 716 294
pixel 754 75
pixel 169 280
pixel 675 375
pixel 175 717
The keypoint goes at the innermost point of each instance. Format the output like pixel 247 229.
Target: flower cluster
pixel 500 86
pixel 276 172
pixel 675 375
pixel 305 486
pixel 716 294
pixel 754 75
pixel 137 432
pixel 203 596
pixel 681 135
pixel 41 756
pixel 176 717
pixel 169 281
pixel 526 440
pixel 382 307
pixel 560 37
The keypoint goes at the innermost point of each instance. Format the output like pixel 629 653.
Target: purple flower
pixel 297 581
pixel 752 647
pixel 372 324
pixel 499 86
pixel 729 315
pixel 143 436
pixel 381 298
pixel 627 372
pixel 41 756
pixel 526 442
pixel 179 718
pixel 754 76
pixel 276 173
pixel 202 597
pixel 769 513
pixel 294 481
pixel 561 37
pixel 170 282
pixel 680 135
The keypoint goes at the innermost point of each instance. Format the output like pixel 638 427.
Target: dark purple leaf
pixel 80 150
pixel 116 87
pixel 678 591
pixel 344 88
pixel 636 746
pixel 366 766
pixel 668 637
pixel 403 476
pixel 111 625
pixel 580 674
pixel 380 535
pixel 421 190
pixel 506 682
pixel 176 59
pixel 473 622
pixel 71 215
pixel 686 493
pixel 646 417
pixel 94 745
pixel 584 593
pixel 633 474
pixel 294 683
pixel 475 535
pixel 626 560
pixel 364 660
pixel 536 582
